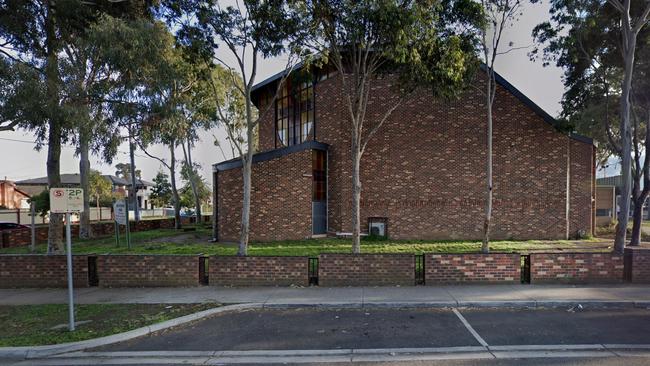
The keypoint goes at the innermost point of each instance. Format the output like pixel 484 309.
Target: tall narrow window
pixel 295 112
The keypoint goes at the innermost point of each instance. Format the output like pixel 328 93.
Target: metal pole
pixel 70 284
pixel 32 207
pixel 128 226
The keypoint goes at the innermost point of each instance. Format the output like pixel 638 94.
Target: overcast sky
pixel 19 160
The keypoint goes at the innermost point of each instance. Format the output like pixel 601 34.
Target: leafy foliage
pixel 161 192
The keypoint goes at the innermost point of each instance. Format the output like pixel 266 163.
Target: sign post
pixel 121 209
pixel 67 200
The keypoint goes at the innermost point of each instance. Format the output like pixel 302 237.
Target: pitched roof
pixel 75 179
pixel 499 79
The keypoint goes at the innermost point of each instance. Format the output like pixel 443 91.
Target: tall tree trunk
pixel 133 192
pixel 177 199
pixel 55 229
pixel 637 218
pixel 356 195
pixel 247 170
pixel 187 154
pixel 626 142
pixel 485 247
pixel 85 230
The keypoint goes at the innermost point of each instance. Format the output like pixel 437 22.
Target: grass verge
pixel 33 325
pixel 169 241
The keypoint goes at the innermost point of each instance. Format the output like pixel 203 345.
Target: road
pixel 447 337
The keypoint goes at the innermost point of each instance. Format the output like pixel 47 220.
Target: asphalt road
pixel 445 337
pixel 309 329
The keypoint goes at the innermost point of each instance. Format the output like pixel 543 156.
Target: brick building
pixel 423 173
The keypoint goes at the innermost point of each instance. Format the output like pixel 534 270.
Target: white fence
pixel 23 216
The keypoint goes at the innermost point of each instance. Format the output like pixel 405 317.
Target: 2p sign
pixel 63 200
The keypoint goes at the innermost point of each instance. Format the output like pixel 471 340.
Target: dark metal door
pixel 319 217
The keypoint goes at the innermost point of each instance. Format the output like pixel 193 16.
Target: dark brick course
pixel 637 264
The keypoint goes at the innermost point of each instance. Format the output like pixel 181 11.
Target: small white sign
pixel 119 208
pixel 63 200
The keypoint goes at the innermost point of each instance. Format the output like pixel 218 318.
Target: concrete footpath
pixel 619 295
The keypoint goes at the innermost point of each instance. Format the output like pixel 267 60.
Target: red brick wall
pixel 576 267
pixel 637 264
pixel 454 268
pixel 425 168
pixel 23 237
pixel 258 271
pixel 280 199
pixel 581 188
pixel 366 269
pixel 41 271
pixel 147 270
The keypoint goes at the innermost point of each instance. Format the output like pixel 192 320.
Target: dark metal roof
pixel 268 155
pixel 500 80
pixel 75 179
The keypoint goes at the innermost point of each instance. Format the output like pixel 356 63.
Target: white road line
pixel 478 338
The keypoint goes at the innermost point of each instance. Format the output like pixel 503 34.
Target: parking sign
pixel 63 200
pixel 119 208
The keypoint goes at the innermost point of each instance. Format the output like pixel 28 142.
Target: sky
pixel 19 160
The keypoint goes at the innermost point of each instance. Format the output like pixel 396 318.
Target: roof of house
pixel 499 79
pixel 75 179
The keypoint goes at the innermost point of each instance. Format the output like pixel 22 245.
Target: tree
pixel 123 170
pixel 41 203
pixel 419 43
pixel 32 36
pixel 499 14
pixel 249 30
pixel 161 192
pixel 599 33
pixel 630 30
pixel 100 189
pixel 187 194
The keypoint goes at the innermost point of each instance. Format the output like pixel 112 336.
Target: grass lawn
pixel 31 325
pixel 169 241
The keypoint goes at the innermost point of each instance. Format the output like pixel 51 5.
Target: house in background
pixel 38 185
pixel 12 197
pixel 423 173
pixel 613 186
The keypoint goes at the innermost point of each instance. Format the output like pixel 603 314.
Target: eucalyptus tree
pixel 249 30
pixel 596 42
pixel 428 44
pixel 499 15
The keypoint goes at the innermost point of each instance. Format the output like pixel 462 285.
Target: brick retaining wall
pixel 637 264
pixel 147 270
pixel 576 267
pixel 23 237
pixel 41 271
pixel 366 269
pixel 485 268
pixel 258 271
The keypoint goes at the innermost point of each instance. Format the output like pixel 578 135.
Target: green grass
pixel 169 241
pixel 30 325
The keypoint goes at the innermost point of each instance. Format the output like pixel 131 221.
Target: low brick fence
pixel 637 264
pixel 472 268
pixel 332 269
pixel 147 270
pixel 23 237
pixel 41 271
pixel 575 267
pixel 258 271
pixel 366 269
